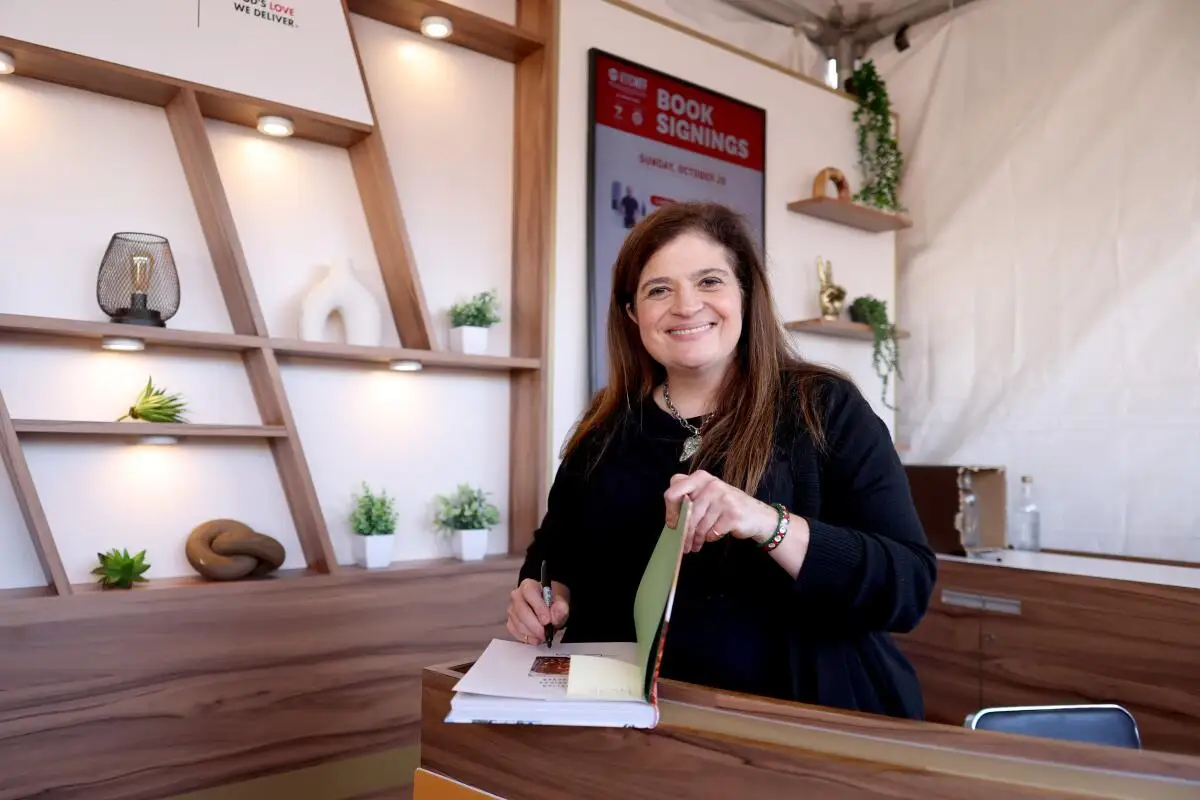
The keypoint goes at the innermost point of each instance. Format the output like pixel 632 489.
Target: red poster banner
pixel 646 103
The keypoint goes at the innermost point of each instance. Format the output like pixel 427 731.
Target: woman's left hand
pixel 718 509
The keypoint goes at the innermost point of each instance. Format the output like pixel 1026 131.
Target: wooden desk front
pixel 713 744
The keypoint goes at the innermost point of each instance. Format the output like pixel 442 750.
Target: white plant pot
pixel 374 552
pixel 469 339
pixel 471 545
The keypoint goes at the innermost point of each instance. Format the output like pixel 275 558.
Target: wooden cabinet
pixel 998 636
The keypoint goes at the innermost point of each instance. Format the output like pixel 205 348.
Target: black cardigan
pixel 739 620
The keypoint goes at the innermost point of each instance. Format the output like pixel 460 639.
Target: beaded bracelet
pixel 781 528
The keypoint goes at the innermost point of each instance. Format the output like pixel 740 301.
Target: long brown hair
pixel 767 378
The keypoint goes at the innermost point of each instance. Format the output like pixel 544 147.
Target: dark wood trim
pixel 31 509
pixel 472 30
pixel 533 235
pixel 1166 562
pixel 116 80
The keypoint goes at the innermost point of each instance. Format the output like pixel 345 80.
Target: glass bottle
pixel 1027 533
pixel 968 514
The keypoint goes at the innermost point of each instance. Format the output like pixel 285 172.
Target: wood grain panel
pixel 270 395
pixel 1049 638
pixel 698 751
pixel 533 224
pixel 944 650
pixel 31 506
pixel 472 30
pixel 139 694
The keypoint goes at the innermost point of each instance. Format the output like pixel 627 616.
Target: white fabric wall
pixel 1052 276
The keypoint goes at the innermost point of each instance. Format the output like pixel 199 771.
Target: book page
pixel 600 678
pixel 512 669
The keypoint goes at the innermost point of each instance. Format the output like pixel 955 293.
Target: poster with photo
pixel 654 139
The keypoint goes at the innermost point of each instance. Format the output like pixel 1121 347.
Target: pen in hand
pixel 548 598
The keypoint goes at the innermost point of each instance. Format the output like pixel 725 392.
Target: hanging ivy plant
pixel 879 156
pixel 885 355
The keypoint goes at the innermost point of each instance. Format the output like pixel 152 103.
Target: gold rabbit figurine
pixel 832 295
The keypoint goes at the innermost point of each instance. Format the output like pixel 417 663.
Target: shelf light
pixel 273 125
pixel 7 65
pixel 158 440
pixel 405 365
pixel 124 344
pixel 436 27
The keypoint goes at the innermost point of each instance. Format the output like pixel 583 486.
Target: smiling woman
pixel 804 548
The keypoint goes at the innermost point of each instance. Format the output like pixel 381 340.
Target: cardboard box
pixel 938 498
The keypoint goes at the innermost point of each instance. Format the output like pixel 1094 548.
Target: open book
pixel 605 684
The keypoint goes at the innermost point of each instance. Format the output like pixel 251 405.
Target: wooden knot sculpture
pixel 839 181
pixel 227 550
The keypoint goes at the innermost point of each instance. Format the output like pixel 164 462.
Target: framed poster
pixel 654 139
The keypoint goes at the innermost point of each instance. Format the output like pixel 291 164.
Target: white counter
pixel 1110 568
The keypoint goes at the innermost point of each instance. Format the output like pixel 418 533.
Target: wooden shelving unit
pixel 139 430
pixel 528 45
pixel 845 212
pixel 837 328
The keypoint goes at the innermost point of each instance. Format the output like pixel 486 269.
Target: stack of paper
pixel 608 684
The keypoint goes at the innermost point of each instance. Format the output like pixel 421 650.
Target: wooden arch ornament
pixel 837 177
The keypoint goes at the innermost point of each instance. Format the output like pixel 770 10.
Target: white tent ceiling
pixel 859 23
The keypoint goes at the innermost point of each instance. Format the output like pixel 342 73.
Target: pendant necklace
pixel 692 443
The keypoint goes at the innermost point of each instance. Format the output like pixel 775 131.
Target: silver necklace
pixel 692 443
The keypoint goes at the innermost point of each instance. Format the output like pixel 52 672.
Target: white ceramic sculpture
pixel 342 292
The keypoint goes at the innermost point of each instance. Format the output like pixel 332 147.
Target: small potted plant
pixel 467 516
pixel 885 355
pixel 119 570
pixel 470 320
pixel 374 524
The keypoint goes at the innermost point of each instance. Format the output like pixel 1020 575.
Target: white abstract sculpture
pixel 340 291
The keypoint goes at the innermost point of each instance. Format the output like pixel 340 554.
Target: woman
pixel 803 549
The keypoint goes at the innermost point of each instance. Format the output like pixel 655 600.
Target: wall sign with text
pixel 654 139
pixel 294 52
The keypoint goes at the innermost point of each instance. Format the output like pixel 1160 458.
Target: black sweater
pixel 739 621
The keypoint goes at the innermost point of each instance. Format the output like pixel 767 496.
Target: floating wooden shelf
pixel 93 75
pixel 194 582
pixel 852 214
pixel 472 30
pixel 98 331
pixel 335 351
pixel 837 328
pixel 56 427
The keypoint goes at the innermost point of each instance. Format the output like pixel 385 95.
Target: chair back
pixel 1100 723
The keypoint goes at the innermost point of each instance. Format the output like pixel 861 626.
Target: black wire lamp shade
pixel 138 283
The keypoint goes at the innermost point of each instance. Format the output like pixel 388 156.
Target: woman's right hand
pixel 528 614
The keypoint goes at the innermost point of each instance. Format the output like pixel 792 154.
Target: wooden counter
pixel 712 744
pixel 1038 628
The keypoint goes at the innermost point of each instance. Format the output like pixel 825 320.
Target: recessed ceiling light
pixel 7 65
pixel 275 126
pixel 122 343
pixel 436 27
pixel 405 365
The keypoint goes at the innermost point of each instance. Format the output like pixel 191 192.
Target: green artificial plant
pixel 120 570
pixel 467 509
pixel 481 311
pixel 374 514
pixel 155 405
pixel 885 356
pixel 879 156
